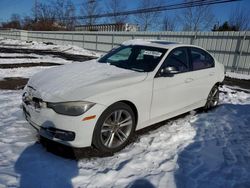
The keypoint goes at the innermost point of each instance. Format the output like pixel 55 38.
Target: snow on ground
pixel 37 59
pixel 24 72
pixel 195 150
pixel 238 75
pixel 42 46
pixel 27 72
pixel 19 55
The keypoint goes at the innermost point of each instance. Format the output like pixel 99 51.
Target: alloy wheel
pixel 116 128
pixel 213 98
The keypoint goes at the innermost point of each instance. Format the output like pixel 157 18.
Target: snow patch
pixel 26 72
pixel 39 59
pixel 197 150
pixel 42 46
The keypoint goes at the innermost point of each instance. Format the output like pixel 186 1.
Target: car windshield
pixel 134 57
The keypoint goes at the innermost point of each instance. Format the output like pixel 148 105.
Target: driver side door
pixel 170 91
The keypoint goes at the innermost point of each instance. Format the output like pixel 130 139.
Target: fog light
pixel 60 134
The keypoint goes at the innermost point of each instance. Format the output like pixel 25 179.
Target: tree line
pixel 63 15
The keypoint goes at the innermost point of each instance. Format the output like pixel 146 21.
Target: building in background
pixel 108 27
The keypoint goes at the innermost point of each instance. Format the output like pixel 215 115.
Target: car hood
pixel 78 81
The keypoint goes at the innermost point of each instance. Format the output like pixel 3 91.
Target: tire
pixel 213 98
pixel 114 128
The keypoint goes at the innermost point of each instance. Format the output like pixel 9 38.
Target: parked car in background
pixel 102 102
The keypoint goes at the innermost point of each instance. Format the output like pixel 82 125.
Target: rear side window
pixel 201 59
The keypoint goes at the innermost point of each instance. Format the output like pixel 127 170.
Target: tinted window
pixel 201 59
pixel 177 58
pixel 135 57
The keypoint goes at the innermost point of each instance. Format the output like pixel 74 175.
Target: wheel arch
pixel 218 83
pixel 126 102
pixel 133 107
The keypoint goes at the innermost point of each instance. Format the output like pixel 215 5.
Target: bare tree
pixel 148 20
pixel 59 7
pixel 43 12
pixel 240 18
pixel 115 6
pixel 65 13
pixel 44 17
pixel 169 23
pixel 196 18
pixel 28 23
pixel 15 22
pixel 70 15
pixel 90 8
pixel 35 10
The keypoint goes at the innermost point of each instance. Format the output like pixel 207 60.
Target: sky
pixel 23 7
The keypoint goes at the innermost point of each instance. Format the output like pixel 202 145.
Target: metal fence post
pixel 236 54
pixel 96 40
pixel 83 40
pixel 193 38
pixel 241 49
pixel 112 41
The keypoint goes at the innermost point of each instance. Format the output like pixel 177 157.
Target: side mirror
pixel 168 71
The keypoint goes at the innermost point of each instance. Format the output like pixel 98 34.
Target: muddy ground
pixel 13 83
pixel 19 65
pixel 245 84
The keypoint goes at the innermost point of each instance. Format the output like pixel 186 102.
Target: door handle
pixel 189 80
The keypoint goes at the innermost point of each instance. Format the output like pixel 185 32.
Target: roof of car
pixel 154 43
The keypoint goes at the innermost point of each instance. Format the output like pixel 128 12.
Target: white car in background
pixel 102 102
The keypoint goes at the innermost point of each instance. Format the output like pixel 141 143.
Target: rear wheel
pixel 213 98
pixel 114 128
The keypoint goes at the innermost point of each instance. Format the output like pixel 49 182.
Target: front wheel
pixel 114 128
pixel 213 98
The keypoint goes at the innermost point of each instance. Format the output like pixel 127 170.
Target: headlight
pixel 71 108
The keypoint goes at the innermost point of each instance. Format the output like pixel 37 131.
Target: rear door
pixel 202 73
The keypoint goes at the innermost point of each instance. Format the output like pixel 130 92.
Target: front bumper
pixel 67 130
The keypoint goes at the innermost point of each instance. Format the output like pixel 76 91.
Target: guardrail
pixel 230 48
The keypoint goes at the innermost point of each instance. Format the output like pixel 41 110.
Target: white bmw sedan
pixel 102 102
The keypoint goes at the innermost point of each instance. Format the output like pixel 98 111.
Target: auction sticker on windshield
pixel 152 53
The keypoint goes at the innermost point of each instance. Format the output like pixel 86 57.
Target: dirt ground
pixel 13 83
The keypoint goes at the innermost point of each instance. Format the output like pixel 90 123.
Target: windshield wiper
pixel 138 70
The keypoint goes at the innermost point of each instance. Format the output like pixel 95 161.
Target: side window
pixel 201 59
pixel 178 59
